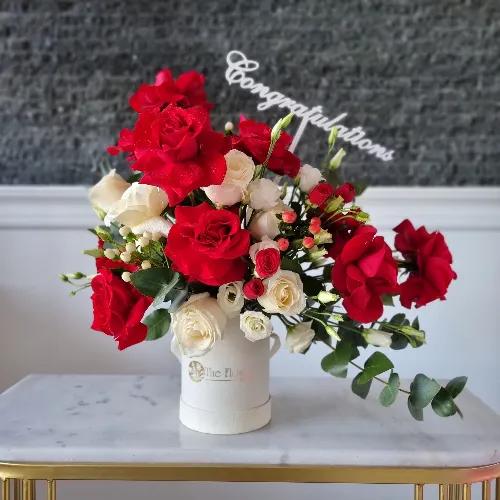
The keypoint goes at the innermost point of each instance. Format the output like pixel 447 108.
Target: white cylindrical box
pixel 226 391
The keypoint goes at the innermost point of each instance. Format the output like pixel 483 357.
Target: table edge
pixel 248 473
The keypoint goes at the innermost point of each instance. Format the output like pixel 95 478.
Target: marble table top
pixel 316 421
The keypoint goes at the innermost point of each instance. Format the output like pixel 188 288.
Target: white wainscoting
pixel 44 330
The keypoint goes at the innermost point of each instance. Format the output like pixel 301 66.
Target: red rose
pixel 118 309
pixel 255 138
pixel 253 289
pixel 429 264
pixel 207 245
pixel 267 262
pixel 347 191
pixel 363 272
pixel 177 150
pixel 321 193
pixel 341 227
pixel 187 91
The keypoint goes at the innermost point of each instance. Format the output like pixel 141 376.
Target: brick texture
pixel 421 76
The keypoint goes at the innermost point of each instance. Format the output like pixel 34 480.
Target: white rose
pixel 198 324
pixel 262 245
pixel 308 177
pixel 230 298
pixel 108 190
pixel 240 171
pixel 299 338
pixel 266 223
pixel 284 294
pixel 377 338
pixel 140 208
pixel 263 194
pixel 255 325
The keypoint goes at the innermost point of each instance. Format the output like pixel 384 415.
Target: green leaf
pixel 422 390
pixel 390 391
pixel 291 265
pixel 134 177
pixel 456 386
pixel 359 388
pixel 415 323
pixel 416 413
pixel 94 252
pixel 398 319
pixel 335 363
pixel 376 364
pixel 399 341
pixel 312 286
pixel 150 281
pixel 360 187
pixel 158 323
pixel 443 404
pixel 165 289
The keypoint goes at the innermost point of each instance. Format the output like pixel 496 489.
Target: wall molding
pixel 455 208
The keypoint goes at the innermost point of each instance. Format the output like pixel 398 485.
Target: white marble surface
pixel 92 418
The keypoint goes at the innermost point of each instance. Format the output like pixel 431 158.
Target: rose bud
pixel 283 244
pixel 253 288
pixel 289 216
pixel 308 242
pixel 315 221
pixel 314 229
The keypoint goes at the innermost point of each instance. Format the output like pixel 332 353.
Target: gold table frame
pixel 18 479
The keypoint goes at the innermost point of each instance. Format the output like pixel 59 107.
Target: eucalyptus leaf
pixel 422 390
pixel 455 386
pixel 150 281
pixel 359 388
pixel 165 289
pixel 443 404
pixel 416 413
pixel 335 363
pixel 376 364
pixel 158 323
pixel 390 391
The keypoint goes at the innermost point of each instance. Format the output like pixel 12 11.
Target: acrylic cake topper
pixel 238 65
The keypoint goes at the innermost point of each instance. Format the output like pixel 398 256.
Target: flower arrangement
pixel 212 226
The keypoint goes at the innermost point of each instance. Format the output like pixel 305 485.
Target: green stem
pixel 360 368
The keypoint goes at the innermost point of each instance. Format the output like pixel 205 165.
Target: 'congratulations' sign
pixel 238 65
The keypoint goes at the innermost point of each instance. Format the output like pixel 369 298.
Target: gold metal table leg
pixel 466 491
pixel 17 489
pixel 486 490
pixel 419 492
pixel 28 489
pixel 443 492
pixel 51 490
pixel 6 489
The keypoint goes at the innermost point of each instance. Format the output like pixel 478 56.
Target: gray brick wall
pixel 421 76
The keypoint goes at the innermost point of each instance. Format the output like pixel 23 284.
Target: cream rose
pixel 108 190
pixel 255 325
pixel 308 177
pixel 198 324
pixel 230 298
pixel 263 194
pixel 240 171
pixel 140 208
pixel 299 338
pixel 266 223
pixel 284 294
